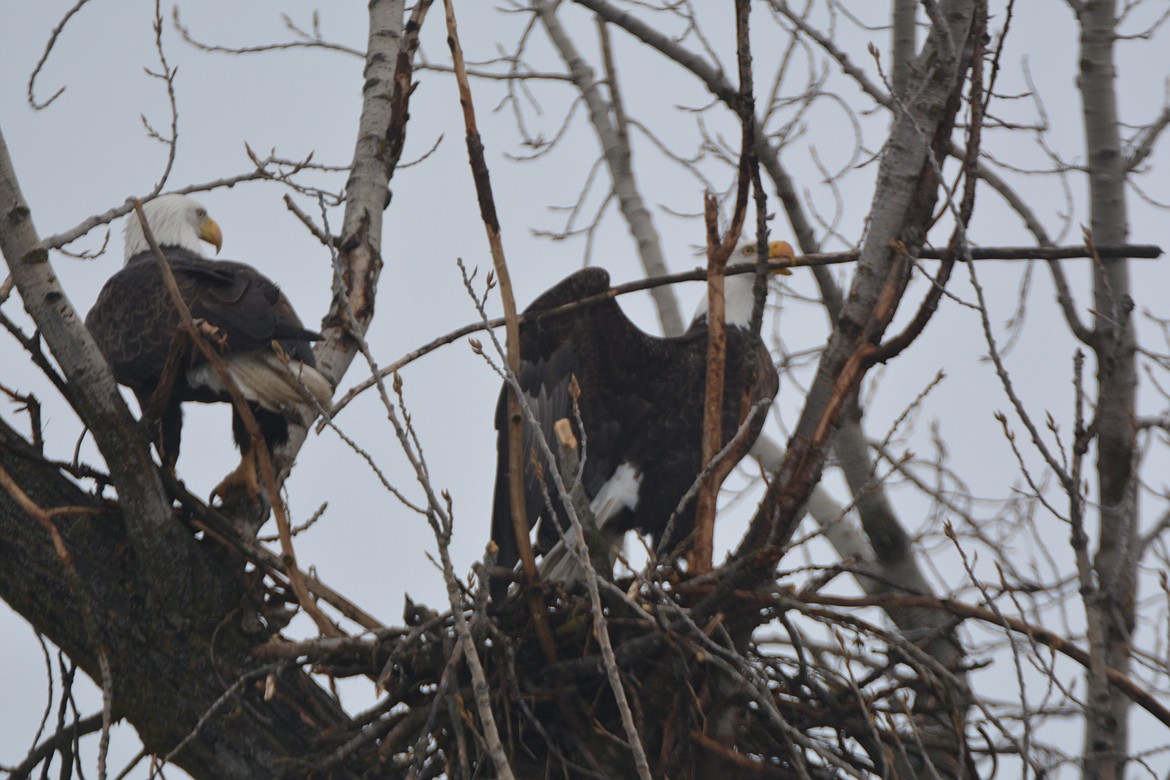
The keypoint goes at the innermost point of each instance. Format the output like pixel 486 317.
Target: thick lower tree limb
pixel 168 669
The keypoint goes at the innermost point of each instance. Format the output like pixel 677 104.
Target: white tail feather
pixel 560 564
pixel 620 491
pixel 264 379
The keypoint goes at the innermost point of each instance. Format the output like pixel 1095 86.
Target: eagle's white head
pixel 738 289
pixel 175 220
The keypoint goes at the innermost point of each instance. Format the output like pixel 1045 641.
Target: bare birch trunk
pixel 1115 564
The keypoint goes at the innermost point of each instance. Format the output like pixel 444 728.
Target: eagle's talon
pixel 241 497
pixel 243 481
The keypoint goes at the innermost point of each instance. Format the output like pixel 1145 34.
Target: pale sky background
pixel 88 152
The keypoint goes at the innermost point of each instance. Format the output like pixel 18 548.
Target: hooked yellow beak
pixel 209 231
pixel 781 250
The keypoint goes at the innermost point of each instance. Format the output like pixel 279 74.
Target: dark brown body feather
pixel 134 324
pixel 641 403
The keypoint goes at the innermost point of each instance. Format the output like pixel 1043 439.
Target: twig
pixel 732 445
pixel 306 220
pixel 32 79
pixel 308 42
pixel 323 647
pixel 167 75
pixel 59 240
pixel 313 518
pixel 275 563
pixel 224 698
pixel 33 347
pixel 54 743
pixel 31 406
pixel 107 710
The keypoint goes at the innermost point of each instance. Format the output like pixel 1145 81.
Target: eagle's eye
pixel 201 213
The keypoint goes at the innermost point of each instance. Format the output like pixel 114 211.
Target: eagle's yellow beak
pixel 209 231
pixel 781 250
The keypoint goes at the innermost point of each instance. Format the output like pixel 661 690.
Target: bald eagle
pixel 641 409
pixel 136 325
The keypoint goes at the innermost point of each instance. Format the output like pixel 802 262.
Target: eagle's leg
pixel 162 420
pixel 170 434
pixel 245 480
pixel 246 477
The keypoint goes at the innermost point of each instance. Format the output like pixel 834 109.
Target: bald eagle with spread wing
pixel 266 349
pixel 640 405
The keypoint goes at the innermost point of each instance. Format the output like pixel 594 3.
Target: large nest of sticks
pixel 815 694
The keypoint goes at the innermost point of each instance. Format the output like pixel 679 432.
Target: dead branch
pixel 718 253
pixel 491 223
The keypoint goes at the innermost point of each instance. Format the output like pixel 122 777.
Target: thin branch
pixel 225 698
pixel 983 254
pixel 32 79
pixel 66 237
pixel 1149 139
pixel 306 42
pixel 1137 692
pixel 167 75
pixel 58 741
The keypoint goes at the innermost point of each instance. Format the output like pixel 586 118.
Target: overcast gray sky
pixel 88 151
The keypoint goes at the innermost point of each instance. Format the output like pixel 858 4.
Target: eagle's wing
pixel 134 322
pixel 239 300
pixel 599 345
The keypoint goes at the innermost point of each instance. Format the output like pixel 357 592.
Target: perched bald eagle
pixel 136 327
pixel 641 407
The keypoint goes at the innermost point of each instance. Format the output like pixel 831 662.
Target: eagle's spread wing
pixel 641 406
pixel 600 347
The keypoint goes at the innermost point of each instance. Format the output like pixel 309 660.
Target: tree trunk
pixel 170 663
pixel 1106 733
